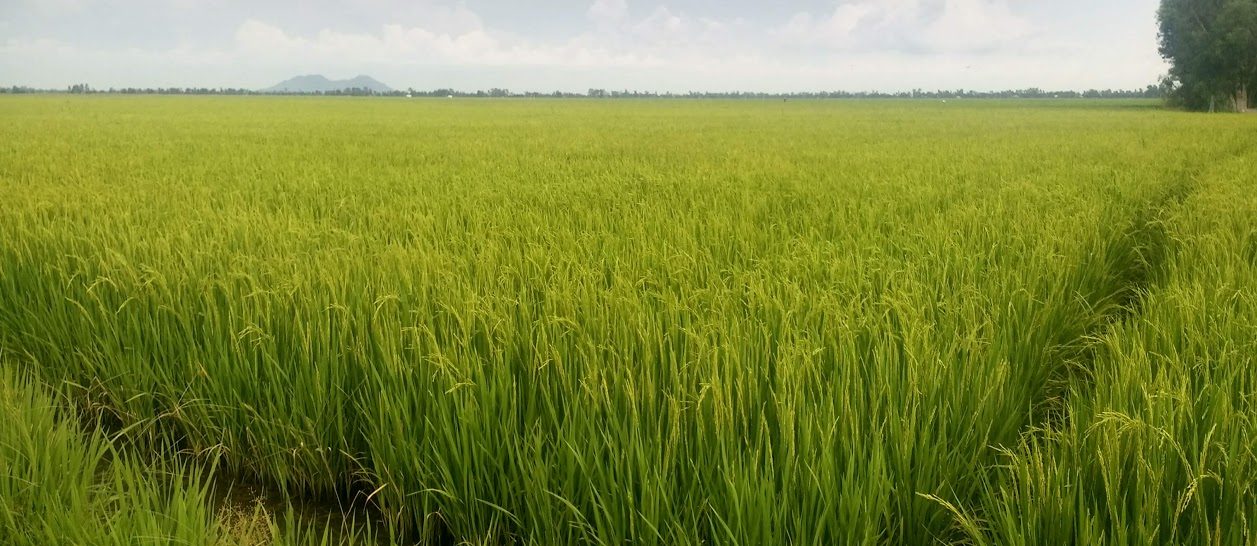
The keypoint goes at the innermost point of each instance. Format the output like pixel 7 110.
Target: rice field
pixel 626 322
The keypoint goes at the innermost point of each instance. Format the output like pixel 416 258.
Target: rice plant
pixel 657 322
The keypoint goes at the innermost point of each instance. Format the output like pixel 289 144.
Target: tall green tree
pixel 1212 49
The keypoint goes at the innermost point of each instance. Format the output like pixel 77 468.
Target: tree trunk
pixel 1241 99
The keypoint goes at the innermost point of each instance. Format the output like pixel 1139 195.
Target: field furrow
pixel 1158 446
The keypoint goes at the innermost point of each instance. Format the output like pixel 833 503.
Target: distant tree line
pixel 1150 92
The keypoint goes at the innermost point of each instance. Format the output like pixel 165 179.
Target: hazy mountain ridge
pixel 318 83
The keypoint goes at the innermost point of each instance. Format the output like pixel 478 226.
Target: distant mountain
pixel 315 83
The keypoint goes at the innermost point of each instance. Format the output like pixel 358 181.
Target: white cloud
pixel 663 26
pixel 607 11
pixel 933 26
pixel 400 45
pixel 861 44
pixel 457 19
pixel 256 36
pixel 967 25
pixel 57 7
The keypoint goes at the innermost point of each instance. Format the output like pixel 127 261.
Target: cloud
pixel 257 41
pixel 57 7
pixel 920 26
pixel 262 41
pixel 663 26
pixel 858 44
pixel 256 36
pixel 969 25
pixel 607 11
pixel 456 19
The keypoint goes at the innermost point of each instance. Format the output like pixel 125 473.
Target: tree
pixel 1212 49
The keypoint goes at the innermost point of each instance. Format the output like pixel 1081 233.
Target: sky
pixel 575 45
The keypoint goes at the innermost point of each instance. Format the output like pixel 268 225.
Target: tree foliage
pixel 1212 49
